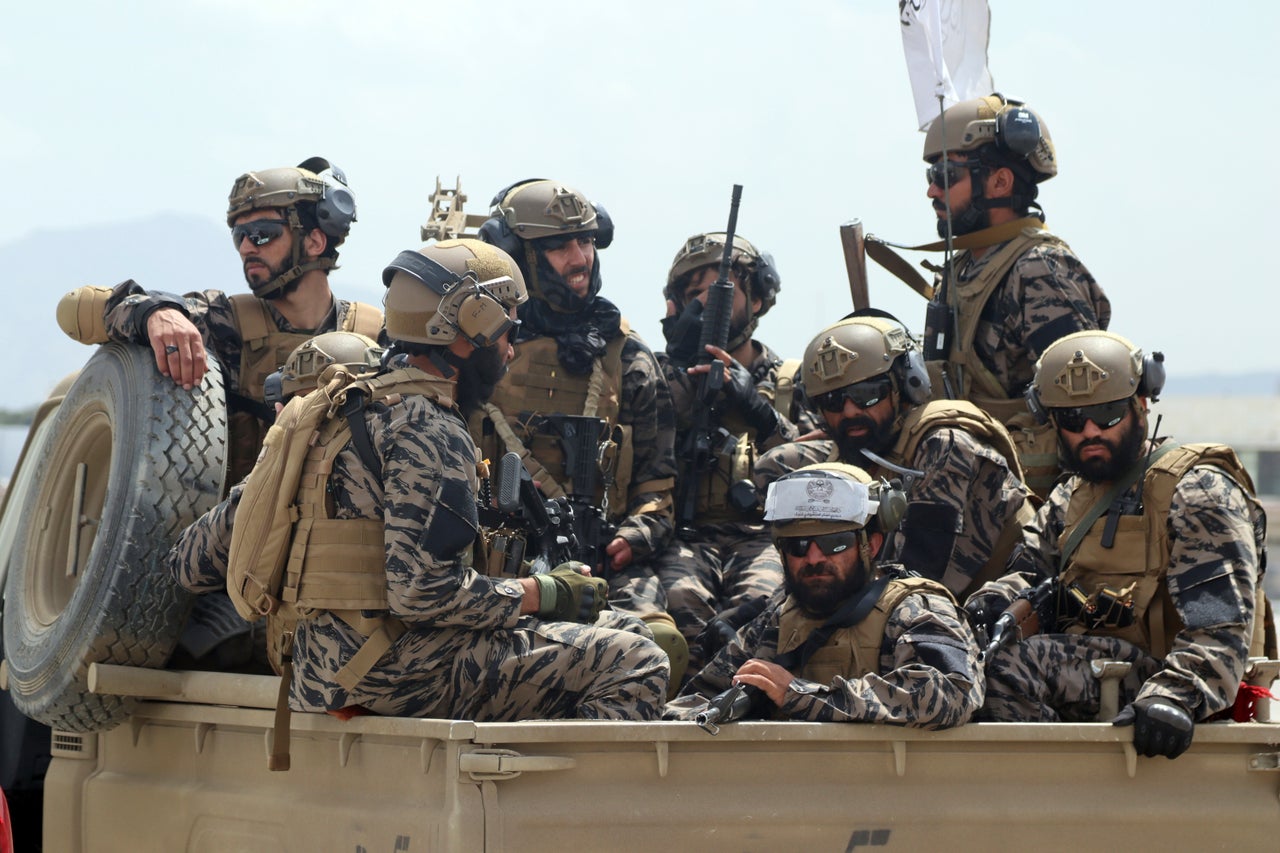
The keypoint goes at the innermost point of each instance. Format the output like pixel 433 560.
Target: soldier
pixel 214 636
pixel 719 558
pixel 968 504
pixel 853 640
pixel 576 356
pixel 396 623
pixel 1015 288
pixel 1157 553
pixel 287 225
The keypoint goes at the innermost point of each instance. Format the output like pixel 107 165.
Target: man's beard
pixel 273 273
pixel 878 437
pixel 479 375
pixel 1124 454
pixel 821 600
pixel 965 220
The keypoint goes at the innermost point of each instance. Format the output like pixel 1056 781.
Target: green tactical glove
pixel 568 595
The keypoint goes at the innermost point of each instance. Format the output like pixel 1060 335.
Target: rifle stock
pixel 855 262
pixel 1031 612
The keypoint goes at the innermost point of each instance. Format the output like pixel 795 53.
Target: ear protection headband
pixel 465 303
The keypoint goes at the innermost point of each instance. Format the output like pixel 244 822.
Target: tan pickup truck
pixel 145 758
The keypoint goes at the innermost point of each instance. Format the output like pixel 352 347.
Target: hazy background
pixel 124 125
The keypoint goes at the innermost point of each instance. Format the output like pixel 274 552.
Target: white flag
pixel 946 46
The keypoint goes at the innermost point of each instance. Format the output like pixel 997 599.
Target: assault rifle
pixel 1031 612
pixel 524 525
pixel 703 441
pixel 583 443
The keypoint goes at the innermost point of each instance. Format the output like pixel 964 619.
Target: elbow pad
pixel 81 314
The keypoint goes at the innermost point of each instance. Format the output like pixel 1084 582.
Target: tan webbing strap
pixel 592 405
pixel 252 319
pixel 511 441
pixel 983 239
pixel 879 251
pixel 279 757
pixel 383 638
pixel 784 390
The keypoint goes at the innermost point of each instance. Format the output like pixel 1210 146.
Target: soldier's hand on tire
pixel 1160 727
pixel 569 594
pixel 177 345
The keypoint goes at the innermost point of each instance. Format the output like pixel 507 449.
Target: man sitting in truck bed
pixel 852 640
pixel 1155 551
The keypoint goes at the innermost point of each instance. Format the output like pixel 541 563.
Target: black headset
pixel 336 209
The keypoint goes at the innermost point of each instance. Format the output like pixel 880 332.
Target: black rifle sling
pixel 853 612
pixel 1095 512
pixel 353 411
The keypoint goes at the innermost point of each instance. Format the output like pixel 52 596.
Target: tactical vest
pixel 960 414
pixel 854 651
pixel 971 380
pixel 264 349
pixel 537 384
pixel 1133 571
pixel 320 563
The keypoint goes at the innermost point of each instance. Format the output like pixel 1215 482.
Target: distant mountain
pixel 181 253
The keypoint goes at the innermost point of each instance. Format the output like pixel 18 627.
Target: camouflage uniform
pixel 1216 534
pixel 968 490
pixel 1047 295
pixel 722 563
pixel 210 311
pixel 467 652
pixel 928 674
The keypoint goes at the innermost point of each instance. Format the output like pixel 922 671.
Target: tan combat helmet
pixel 1014 128
pixel 859 348
pixel 1091 367
pixel 352 350
pixel 450 288
pixel 534 209
pixel 315 183
pixel 703 250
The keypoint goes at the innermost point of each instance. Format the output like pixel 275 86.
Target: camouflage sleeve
pixel 646 407
pixel 1047 295
pixel 786 458
pixel 130 304
pixel 1213 575
pixel 960 509
pixel 931 678
pixel 427 501
pixel 198 560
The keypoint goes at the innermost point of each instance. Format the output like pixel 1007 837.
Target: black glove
pixel 683 331
pixel 568 595
pixel 1159 727
pixel 740 392
pixel 982 611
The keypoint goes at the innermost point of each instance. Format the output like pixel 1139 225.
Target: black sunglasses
pixel 950 171
pixel 863 394
pixel 260 231
pixel 1105 415
pixel 830 543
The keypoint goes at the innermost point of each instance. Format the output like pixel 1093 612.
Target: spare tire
pixel 132 459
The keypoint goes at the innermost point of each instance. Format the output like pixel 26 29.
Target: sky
pixel 1163 116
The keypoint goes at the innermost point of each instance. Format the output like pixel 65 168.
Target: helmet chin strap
pixel 275 287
